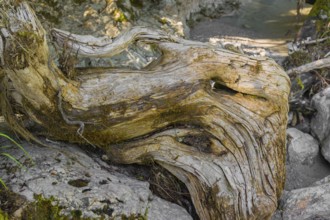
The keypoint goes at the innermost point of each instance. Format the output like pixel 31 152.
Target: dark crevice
pixel 218 87
pixel 162 183
pixel 201 142
pixel 177 125
pixel 168 187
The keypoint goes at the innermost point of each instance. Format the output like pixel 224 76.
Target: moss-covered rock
pixel 321 11
pixel 9 203
pixel 320 5
pixel 3 215
pixel 42 208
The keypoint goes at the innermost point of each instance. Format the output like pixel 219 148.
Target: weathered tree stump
pixel 214 119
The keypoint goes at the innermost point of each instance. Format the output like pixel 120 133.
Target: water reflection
pixel 274 19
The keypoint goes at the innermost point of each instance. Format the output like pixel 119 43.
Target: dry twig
pixel 318 64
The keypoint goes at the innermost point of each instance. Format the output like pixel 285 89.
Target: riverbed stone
pixel 304 164
pixel 325 148
pixel 320 123
pixel 83 182
pixel 302 147
pixel 306 203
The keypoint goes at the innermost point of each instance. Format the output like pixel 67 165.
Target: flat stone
pixel 83 182
pixel 306 203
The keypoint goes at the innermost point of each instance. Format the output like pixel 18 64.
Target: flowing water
pixel 271 21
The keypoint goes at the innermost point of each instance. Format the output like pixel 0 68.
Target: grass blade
pixel 13 159
pixel 3 183
pixel 17 144
pixel 5 147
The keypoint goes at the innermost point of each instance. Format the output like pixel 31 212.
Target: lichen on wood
pixel 195 91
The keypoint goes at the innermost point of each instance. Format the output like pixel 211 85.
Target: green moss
pixel 320 9
pixel 319 5
pixel 43 208
pixel 134 217
pixel 298 58
pixel 9 202
pixel 24 48
pixel 119 16
pixel 52 3
pixel 105 210
pixel 3 215
pixel 50 10
pixel 163 20
pixel 232 48
pixel 124 12
pixel 76 214
pixel 49 17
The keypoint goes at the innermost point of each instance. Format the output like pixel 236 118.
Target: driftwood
pixel 318 64
pixel 214 119
pixel 316 41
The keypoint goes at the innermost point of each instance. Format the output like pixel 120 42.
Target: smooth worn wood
pixel 213 118
pixel 317 64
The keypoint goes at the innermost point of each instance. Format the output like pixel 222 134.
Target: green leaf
pixel 300 83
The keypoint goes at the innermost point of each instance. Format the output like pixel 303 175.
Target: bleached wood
pixel 235 104
pixel 316 41
pixel 318 64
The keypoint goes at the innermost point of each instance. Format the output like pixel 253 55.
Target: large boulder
pixel 84 183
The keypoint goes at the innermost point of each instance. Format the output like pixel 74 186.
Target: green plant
pixel 3 215
pixel 43 208
pixel 3 153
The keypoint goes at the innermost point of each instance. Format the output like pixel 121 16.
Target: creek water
pixel 272 21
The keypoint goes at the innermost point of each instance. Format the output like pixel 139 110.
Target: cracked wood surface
pixel 214 119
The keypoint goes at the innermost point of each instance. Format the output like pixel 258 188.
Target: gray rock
pixel 301 175
pixel 83 182
pixel 325 148
pixel 302 147
pixel 304 126
pixel 158 209
pixel 304 163
pixel 306 204
pixel 325 180
pixel 320 123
